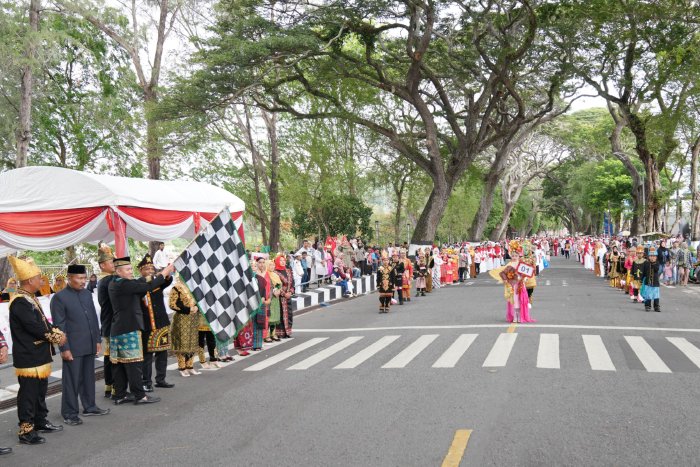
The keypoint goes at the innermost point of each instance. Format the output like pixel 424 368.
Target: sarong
pixel 126 348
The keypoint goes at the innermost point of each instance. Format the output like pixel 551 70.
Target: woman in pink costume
pixel 515 292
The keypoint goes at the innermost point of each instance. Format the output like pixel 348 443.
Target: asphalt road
pixel 596 381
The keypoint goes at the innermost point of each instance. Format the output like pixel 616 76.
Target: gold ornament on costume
pixel 24 269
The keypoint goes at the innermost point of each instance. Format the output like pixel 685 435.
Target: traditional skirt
pixel 185 333
pixel 651 293
pixel 244 339
pixel 420 283
pixel 285 328
pixel 429 283
pixel 275 311
pixel 126 348
pixel 436 278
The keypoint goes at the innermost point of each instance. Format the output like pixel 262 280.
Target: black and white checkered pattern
pixel 216 270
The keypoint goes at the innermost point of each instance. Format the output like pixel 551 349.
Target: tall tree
pixel 24 128
pixel 641 57
pixel 457 71
pixel 127 30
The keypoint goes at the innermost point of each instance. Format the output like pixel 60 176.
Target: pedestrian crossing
pixel 395 352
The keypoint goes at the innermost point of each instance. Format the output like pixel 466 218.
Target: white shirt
pixel 160 259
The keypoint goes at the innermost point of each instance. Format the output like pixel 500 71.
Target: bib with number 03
pixel 526 269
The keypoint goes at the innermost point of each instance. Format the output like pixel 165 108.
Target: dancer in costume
pixel 637 273
pixel 407 275
pixel 399 268
pixel 421 273
pixel 284 330
pixel 515 292
pixel 385 283
pixel 260 319
pixel 650 277
pixel 184 332
pixel 615 267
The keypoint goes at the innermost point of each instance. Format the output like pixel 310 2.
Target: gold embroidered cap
pixel 104 254
pixel 24 269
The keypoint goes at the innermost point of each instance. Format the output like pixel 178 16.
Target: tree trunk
pixel 24 129
pixel 476 232
pixel 273 188
pixel 153 149
pixel 427 224
pixel 500 231
pixel 695 207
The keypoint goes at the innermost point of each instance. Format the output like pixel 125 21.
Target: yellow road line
pixel 456 452
pixel 511 328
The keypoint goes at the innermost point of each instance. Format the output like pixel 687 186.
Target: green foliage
pixel 333 215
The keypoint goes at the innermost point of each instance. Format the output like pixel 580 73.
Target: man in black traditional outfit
pixel 156 335
pixel 32 353
pixel 125 344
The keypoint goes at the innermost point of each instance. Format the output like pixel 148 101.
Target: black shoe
pixel 49 428
pixel 147 400
pixel 4 451
pixel 108 395
pixel 647 308
pixel 73 421
pixel 147 388
pixel 95 412
pixel 122 400
pixel 658 310
pixel 31 438
pixel 165 384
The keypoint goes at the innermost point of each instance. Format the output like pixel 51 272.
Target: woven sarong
pixel 126 348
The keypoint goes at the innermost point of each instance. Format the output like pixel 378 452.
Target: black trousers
pixel 78 380
pixel 130 374
pixel 31 401
pixel 384 302
pixel 462 272
pixel 208 336
pixel 109 377
pixel 161 359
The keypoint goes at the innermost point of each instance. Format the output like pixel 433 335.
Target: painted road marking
pixel 548 351
pixel 650 359
pixel 548 282
pixel 511 328
pixel 564 283
pixel 688 349
pixel 457 448
pixel 598 355
pixel 239 358
pixel 409 353
pixel 285 355
pixel 501 350
pixel 500 326
pixel 452 355
pixel 325 353
pixel 365 354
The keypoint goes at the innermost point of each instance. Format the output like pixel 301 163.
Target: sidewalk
pixel 301 303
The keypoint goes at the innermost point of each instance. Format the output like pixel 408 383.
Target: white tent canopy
pixel 47 208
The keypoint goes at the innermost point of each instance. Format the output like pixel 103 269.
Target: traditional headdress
pixel 146 261
pixel 104 254
pixel 640 249
pixel 514 247
pixel 24 269
pixel 125 261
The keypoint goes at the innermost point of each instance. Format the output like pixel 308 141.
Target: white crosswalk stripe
pixel 650 359
pixel 366 354
pixel 548 351
pixel 446 351
pixel 285 354
pixel 452 355
pixel 598 356
pixel 411 352
pixel 501 350
pixel 325 353
pixel 688 349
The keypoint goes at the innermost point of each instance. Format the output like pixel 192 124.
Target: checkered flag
pixel 216 270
